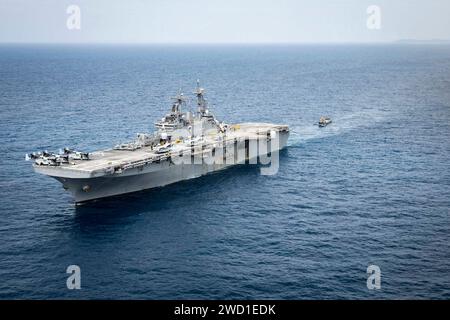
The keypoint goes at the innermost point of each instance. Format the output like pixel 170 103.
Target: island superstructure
pixel 185 145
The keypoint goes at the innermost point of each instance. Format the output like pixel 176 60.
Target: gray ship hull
pixel 155 175
pixel 115 185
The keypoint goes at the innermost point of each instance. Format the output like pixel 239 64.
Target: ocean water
pixel 372 188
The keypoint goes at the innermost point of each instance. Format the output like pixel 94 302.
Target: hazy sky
pixel 224 21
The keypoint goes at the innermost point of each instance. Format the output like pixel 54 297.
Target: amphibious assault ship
pixel 185 145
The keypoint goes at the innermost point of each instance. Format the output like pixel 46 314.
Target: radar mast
pixel 179 99
pixel 201 101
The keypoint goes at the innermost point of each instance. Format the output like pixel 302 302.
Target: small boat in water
pixel 324 121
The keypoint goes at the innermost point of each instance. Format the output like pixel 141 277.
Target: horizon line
pixel 399 41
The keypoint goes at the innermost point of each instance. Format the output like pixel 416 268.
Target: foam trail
pixel 302 133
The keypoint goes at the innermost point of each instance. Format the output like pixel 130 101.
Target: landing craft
pixel 324 121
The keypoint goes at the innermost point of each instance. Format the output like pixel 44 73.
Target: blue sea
pixel 372 188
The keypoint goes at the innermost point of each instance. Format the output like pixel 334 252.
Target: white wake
pixel 303 132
